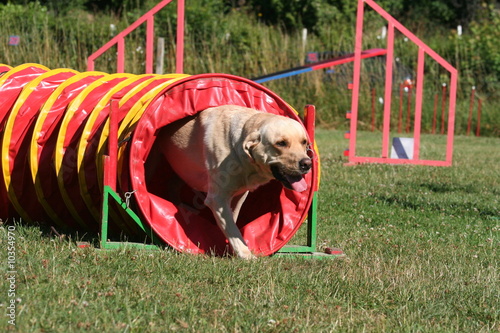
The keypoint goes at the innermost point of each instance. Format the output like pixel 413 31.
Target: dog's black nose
pixel 305 164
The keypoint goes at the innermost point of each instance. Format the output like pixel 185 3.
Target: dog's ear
pixel 252 140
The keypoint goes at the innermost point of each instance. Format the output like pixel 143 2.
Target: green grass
pixel 422 246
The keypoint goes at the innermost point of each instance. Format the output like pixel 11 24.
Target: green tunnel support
pixel 106 243
pixel 305 251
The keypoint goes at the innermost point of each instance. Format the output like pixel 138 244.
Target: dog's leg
pixel 239 203
pixel 221 208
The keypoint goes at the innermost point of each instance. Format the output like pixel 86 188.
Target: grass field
pixel 422 256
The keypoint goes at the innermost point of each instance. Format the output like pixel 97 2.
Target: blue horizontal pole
pixel 283 75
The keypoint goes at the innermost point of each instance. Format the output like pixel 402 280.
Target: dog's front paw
pixel 245 254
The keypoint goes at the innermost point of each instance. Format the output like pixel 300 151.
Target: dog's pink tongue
pixel 299 186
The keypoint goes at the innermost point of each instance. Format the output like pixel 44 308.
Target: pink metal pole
pixel 434 114
pixel 373 109
pixel 386 126
pixel 120 65
pixel 400 117
pixel 471 106
pixel 310 125
pixel 408 110
pixel 443 103
pixel 353 115
pixel 150 33
pixel 418 104
pixel 309 120
pixel 112 145
pixel 410 35
pixel 116 40
pixel 451 115
pixel 356 79
pixel 479 104
pixel 179 64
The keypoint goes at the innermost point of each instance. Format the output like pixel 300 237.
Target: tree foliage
pixel 311 14
pixel 294 14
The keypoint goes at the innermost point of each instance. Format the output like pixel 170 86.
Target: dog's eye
pixel 304 142
pixel 282 143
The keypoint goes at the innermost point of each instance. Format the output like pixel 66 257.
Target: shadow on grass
pixel 79 237
pixel 448 188
pixel 448 207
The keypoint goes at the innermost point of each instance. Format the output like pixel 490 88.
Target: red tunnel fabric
pixel 69 136
pixel 11 85
pixel 19 129
pixel 52 134
pixel 93 189
pixel 44 143
pixel 4 68
pixel 270 215
pixel 12 82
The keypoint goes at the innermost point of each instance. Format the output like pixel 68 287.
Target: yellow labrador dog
pixel 231 150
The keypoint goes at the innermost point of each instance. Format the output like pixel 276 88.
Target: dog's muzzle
pixel 293 181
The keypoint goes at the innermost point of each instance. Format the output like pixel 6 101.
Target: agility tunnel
pixel 54 130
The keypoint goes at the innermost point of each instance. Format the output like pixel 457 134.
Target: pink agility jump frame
pixel 119 40
pixel 423 49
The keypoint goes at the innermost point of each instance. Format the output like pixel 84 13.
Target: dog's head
pixel 280 146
